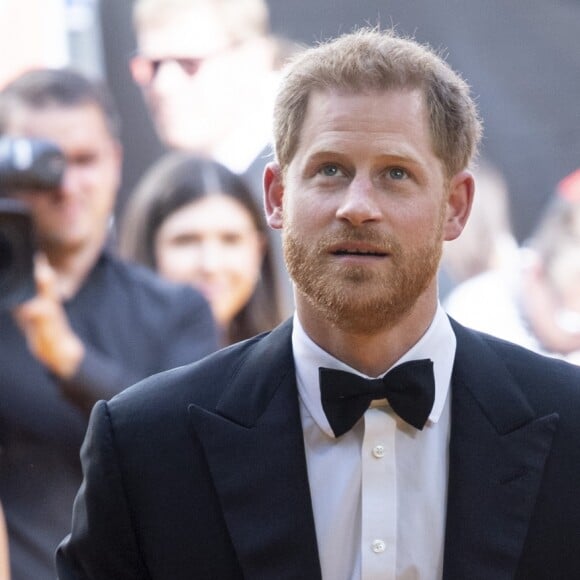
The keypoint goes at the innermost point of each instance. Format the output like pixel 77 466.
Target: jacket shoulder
pixel 142 283
pixel 205 382
pixel 548 382
pixel 201 382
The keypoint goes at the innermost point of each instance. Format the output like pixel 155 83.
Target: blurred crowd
pixel 530 294
pixel 191 266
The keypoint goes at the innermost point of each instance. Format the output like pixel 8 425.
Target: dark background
pixel 521 58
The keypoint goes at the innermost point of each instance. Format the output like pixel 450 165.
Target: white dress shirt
pixel 379 491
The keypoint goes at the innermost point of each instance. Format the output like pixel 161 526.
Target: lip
pixel 211 291
pixel 358 250
pixel 69 211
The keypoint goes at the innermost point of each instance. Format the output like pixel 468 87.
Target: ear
pixel 273 195
pixel 459 202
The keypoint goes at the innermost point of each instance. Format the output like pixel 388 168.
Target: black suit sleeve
pixel 102 543
pixel 179 331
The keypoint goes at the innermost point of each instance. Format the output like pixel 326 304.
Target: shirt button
pixel 378 546
pixel 379 451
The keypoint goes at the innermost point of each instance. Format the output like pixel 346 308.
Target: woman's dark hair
pixel 176 180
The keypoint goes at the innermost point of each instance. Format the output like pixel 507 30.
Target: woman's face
pixel 213 244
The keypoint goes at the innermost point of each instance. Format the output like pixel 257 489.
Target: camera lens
pixel 16 255
pixel 6 257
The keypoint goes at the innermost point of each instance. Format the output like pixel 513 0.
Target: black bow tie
pixel 409 388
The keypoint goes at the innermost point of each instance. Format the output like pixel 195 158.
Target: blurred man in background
pixel 488 241
pixel 535 301
pixel 95 326
pixel 209 71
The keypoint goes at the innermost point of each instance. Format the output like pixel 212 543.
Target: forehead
pixel 341 106
pixel 188 32
pixel 83 124
pixel 212 213
pixel 393 120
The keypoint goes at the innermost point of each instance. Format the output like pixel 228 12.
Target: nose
pixel 168 77
pixel 360 202
pixel 211 258
pixel 70 182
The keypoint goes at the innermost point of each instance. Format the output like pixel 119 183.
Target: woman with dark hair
pixel 192 220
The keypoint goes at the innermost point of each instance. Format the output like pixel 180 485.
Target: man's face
pixel 194 105
pixel 364 209
pixel 76 216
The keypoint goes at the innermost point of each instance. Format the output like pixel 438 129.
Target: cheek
pixel 43 209
pixel 431 224
pixel 104 181
pixel 572 293
pixel 176 263
pixel 209 92
pixel 245 262
pixel 114 172
pixel 244 272
pixel 301 217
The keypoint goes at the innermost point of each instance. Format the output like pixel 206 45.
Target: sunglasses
pixel 144 69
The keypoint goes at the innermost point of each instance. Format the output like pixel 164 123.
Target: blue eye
pixel 330 170
pixel 397 173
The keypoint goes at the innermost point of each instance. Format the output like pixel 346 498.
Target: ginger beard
pixel 360 299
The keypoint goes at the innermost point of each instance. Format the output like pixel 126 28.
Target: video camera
pixel 25 165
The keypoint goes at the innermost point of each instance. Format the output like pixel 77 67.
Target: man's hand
pixel 45 325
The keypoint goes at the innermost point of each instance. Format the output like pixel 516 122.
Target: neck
pixel 371 354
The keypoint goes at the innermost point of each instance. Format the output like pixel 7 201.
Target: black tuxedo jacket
pixel 200 472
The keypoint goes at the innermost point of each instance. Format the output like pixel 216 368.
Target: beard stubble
pixel 360 299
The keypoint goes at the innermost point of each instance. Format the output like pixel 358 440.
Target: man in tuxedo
pixel 370 436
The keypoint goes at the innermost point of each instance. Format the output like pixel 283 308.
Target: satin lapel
pixel 254 448
pixel 497 452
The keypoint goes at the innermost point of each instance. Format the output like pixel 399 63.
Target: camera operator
pixel 95 325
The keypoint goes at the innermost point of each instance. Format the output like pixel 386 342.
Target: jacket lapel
pixel 497 454
pixel 254 448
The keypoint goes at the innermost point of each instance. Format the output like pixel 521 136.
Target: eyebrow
pixel 395 157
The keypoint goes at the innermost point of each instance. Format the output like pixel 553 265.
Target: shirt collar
pixel 438 343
